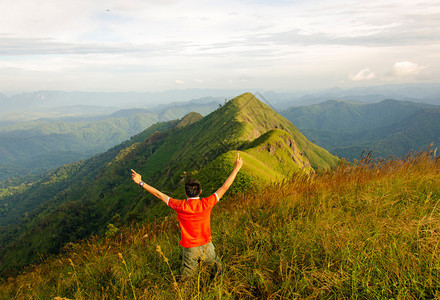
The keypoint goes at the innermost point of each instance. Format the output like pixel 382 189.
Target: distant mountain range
pixel 419 93
pixel 85 197
pixel 58 103
pixel 387 128
pixel 51 104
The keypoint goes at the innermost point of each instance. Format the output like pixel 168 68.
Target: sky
pixel 158 45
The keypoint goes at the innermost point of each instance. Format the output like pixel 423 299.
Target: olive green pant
pixel 193 257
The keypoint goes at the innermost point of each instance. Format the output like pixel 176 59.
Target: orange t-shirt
pixel 194 215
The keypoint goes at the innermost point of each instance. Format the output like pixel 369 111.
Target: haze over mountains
pixel 420 93
pixel 59 103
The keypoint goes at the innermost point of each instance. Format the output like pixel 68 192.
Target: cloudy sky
pixel 156 45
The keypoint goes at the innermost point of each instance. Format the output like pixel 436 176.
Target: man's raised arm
pixel 237 165
pixel 138 180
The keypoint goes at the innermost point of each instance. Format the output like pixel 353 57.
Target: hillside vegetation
pixel 369 230
pixel 35 147
pixel 388 128
pixel 97 195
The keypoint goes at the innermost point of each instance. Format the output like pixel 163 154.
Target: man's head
pixel 193 188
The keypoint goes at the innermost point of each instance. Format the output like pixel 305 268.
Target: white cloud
pixel 363 75
pixel 279 43
pixel 407 68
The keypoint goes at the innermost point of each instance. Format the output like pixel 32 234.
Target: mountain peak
pixel 245 118
pixel 189 119
pixel 247 102
pixel 257 118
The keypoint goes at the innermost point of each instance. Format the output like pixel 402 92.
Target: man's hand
pixel 135 176
pixel 237 165
pixel 238 161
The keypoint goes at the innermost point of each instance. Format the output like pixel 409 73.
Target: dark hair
pixel 193 188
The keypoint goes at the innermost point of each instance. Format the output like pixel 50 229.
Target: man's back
pixel 194 215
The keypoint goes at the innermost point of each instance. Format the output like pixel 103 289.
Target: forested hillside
pixel 41 216
pixel 91 196
pixel 388 128
pixel 38 146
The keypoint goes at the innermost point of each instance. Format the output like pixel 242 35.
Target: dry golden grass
pixel 364 230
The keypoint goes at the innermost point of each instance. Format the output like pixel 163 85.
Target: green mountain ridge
pixel 85 197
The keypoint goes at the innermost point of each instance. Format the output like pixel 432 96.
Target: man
pixel 194 215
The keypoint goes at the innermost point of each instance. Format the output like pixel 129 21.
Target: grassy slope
pixel 191 149
pixel 264 119
pixel 363 231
